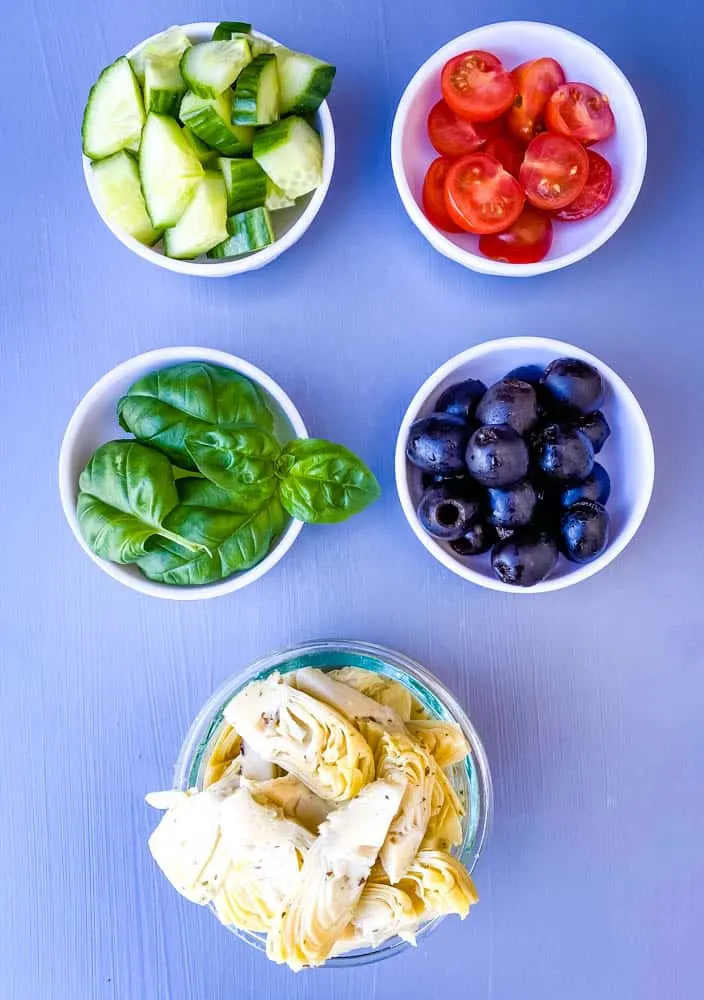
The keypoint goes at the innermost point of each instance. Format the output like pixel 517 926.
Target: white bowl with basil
pixel 187 473
pixel 209 148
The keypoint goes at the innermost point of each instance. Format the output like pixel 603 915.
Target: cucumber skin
pixel 249 231
pixel 85 126
pixel 317 87
pixel 164 99
pixel 203 122
pixel 270 152
pixel 245 106
pixel 194 83
pixel 205 154
pixel 226 29
pixel 245 182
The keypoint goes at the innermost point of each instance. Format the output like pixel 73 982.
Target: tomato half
pixel 554 171
pixel 580 112
pixel 454 136
pixel 596 193
pixel 534 81
pixel 434 196
pixel 476 86
pixel 526 241
pixel 481 196
pixel 508 151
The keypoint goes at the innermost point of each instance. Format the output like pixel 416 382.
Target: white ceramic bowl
pixel 515 42
pixel 627 456
pixel 289 224
pixel 95 421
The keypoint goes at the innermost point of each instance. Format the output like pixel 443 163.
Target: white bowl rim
pixel 68 488
pixel 239 265
pixel 561 349
pixel 435 237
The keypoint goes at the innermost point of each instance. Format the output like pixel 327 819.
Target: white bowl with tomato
pixel 518 148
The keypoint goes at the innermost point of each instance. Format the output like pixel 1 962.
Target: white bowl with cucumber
pixel 209 148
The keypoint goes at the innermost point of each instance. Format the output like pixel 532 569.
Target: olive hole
pixel 447 514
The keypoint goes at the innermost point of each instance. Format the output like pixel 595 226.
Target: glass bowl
pixel 471 778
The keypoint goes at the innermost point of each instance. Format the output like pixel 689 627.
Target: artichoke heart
pixel 400 760
pixel 295 800
pixel 444 741
pixel 438 884
pixel 382 689
pixel 384 911
pixel 446 812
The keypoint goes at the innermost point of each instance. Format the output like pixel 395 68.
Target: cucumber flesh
pixel 211 67
pixel 304 81
pixel 275 197
pixel 257 93
pixel 120 196
pixel 210 120
pixel 291 153
pixel 245 182
pixel 169 170
pixel 249 231
pixel 205 154
pixel 171 43
pixel 203 224
pixel 230 29
pixel 114 113
pixel 258 46
pixel 163 85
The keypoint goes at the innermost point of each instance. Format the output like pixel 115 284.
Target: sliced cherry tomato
pixel 526 241
pixel 580 112
pixel 454 136
pixel 554 171
pixel 534 81
pixel 481 196
pixel 596 193
pixel 434 196
pixel 476 86
pixel 508 151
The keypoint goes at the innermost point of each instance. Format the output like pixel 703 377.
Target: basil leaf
pixel 322 483
pixel 235 542
pixel 233 458
pixel 243 499
pixel 165 406
pixel 126 493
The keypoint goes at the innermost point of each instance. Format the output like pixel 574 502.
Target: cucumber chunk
pixel 205 154
pixel 169 170
pixel 230 29
pixel 114 114
pixel 203 224
pixel 291 153
pixel 171 43
pixel 245 182
pixel 211 67
pixel 163 84
pixel 304 81
pixel 275 197
pixel 120 196
pixel 249 231
pixel 210 120
pixel 257 93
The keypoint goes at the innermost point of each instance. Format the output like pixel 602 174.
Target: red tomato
pixel 580 112
pixel 481 196
pixel 476 86
pixel 554 171
pixel 525 242
pixel 508 151
pixel 596 193
pixel 534 81
pixel 453 136
pixel 434 196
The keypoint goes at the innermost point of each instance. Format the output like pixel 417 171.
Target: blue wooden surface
pixel 591 701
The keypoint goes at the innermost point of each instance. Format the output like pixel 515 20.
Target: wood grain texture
pixel 590 701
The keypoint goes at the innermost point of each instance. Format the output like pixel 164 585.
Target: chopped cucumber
pixel 114 114
pixel 291 153
pixel 257 93
pixel 203 224
pixel 249 231
pixel 210 120
pixel 205 154
pixel 169 170
pixel 305 81
pixel 211 67
pixel 163 84
pixel 275 197
pixel 171 43
pixel 120 196
pixel 258 46
pixel 230 29
pixel 245 182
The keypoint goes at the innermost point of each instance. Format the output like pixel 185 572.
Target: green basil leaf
pixel 126 493
pixel 323 483
pixel 165 406
pixel 242 499
pixel 233 458
pixel 235 542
